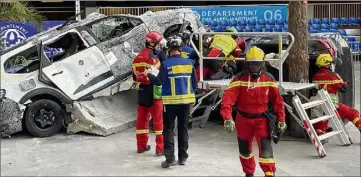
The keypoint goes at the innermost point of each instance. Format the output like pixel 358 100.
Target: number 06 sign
pixel 241 12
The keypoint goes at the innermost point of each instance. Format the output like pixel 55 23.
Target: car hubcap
pixel 45 118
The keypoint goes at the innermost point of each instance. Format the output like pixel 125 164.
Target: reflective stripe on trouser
pixel 345 112
pixel 247 128
pixel 143 115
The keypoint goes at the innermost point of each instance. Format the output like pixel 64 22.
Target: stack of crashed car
pixel 86 86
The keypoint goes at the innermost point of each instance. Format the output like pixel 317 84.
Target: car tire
pixel 44 118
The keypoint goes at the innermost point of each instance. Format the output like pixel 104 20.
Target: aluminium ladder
pixel 323 100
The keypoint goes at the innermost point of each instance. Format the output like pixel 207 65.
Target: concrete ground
pixel 213 152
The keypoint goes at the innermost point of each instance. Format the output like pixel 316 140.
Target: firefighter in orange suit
pixel 149 95
pixel 332 82
pixel 253 89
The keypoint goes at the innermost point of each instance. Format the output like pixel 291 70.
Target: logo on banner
pixel 12 34
pixel 197 14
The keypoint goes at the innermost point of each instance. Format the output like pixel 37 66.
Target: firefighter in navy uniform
pixel 333 83
pixel 149 95
pixel 178 80
pixel 253 89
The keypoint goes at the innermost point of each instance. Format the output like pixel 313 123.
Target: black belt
pixel 247 115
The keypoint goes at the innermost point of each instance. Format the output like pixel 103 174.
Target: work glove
pixel 282 127
pixel 229 125
pixel 135 85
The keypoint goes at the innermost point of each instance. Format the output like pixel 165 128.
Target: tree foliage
pixel 17 11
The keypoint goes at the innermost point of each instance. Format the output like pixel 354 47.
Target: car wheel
pixel 44 118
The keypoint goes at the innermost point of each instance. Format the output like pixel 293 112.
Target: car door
pixel 79 74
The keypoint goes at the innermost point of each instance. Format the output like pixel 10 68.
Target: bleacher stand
pixel 347 27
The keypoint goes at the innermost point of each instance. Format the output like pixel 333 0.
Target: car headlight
pixel 2 93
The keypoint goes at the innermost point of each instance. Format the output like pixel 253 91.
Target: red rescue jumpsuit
pixel 252 96
pixel 147 104
pixel 216 52
pixel 332 82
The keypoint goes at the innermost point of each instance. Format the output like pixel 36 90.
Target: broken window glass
pixel 24 62
pixel 110 27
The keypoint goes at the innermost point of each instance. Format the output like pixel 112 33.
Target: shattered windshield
pixel 109 27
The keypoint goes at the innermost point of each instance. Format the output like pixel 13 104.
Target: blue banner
pixel 49 52
pixel 13 33
pixel 241 12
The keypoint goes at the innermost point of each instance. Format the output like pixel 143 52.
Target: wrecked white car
pixel 83 87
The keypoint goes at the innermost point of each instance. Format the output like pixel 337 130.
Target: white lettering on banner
pixel 230 13
pixel 12 34
pixel 268 15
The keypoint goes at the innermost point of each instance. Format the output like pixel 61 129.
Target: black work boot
pixel 182 161
pixel 159 153
pixel 146 149
pixel 249 175
pixel 168 163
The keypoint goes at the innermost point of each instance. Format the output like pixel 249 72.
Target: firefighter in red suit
pixel 253 89
pixel 149 95
pixel 332 82
pixel 221 46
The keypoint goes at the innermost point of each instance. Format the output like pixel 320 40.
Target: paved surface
pixel 213 152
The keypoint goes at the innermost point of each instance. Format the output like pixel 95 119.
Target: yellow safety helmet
pixel 324 60
pixel 255 54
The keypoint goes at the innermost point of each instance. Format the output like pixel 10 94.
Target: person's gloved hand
pixel 282 126
pixel 229 125
pixel 135 85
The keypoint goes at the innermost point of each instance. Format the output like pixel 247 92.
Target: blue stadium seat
pixel 258 28
pixel 242 22
pixel 252 22
pixel 344 21
pixel 310 22
pixel 278 28
pixel 280 22
pixel 271 22
pixel 214 23
pixel 325 21
pixel 342 32
pixel 353 21
pixel 358 21
pixel 239 28
pixel 286 21
pixel 325 30
pixel 268 28
pixel 218 29
pixel 262 23
pixel 284 29
pixel 324 26
pixel 312 30
pixel 335 20
pixel 316 26
pixel 333 30
pixel 223 23
pixel 316 21
pixel 350 38
pixel 334 26
pixel 233 22
pixel 248 29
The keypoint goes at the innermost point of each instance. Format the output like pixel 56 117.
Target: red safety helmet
pixel 153 37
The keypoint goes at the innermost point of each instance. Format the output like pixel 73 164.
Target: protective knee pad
pixel 266 148
pixel 243 146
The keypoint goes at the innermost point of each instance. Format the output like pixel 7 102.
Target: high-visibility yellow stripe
pixel 143 131
pixel 172 85
pixel 252 84
pixel 179 99
pixel 268 173
pixel 158 132
pixel 244 157
pixel 266 160
pixel 328 81
pixel 188 85
pixel 144 64
pixel 181 69
pixel 355 120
